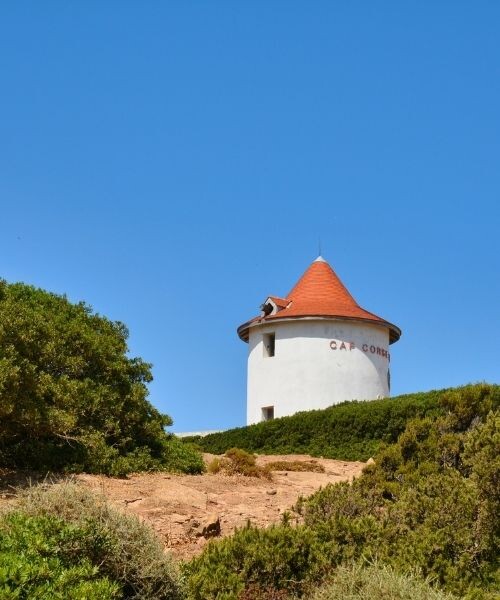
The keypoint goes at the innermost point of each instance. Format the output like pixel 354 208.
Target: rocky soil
pixel 186 510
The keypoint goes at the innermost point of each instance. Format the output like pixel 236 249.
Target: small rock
pixel 211 527
pixel 271 492
pixel 179 519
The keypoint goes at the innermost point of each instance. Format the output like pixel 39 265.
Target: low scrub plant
pixel 278 559
pixel 296 465
pixel 239 462
pixel 44 557
pixel 132 556
pixel 377 582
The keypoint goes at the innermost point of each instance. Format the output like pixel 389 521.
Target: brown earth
pixel 178 506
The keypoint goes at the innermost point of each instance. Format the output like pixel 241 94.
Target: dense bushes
pixel 70 397
pixel 277 558
pixel 87 551
pixel 348 431
pixel 430 504
pixel 48 559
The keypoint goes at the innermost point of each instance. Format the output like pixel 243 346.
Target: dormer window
pixel 268 309
pixel 273 305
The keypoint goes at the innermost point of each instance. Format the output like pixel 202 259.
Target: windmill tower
pixel 314 348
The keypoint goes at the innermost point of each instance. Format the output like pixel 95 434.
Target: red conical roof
pixel 320 293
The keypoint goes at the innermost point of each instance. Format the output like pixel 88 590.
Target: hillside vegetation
pixel 348 431
pixel 428 506
pixel 421 522
pixel 62 542
pixel 71 398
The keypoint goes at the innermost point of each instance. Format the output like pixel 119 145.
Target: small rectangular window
pixel 269 343
pixel 267 413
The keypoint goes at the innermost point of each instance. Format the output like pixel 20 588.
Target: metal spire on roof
pixel 320 258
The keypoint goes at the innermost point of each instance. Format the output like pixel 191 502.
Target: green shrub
pixel 347 431
pixel 181 457
pixel 377 582
pixel 434 495
pixel 277 558
pixel 258 592
pixel 337 501
pixel 133 556
pixel 48 559
pixel 70 397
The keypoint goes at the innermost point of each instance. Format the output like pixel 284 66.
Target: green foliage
pixel 182 457
pixel 275 558
pixel 482 456
pixel 132 555
pixel 377 582
pixel 259 592
pixel 347 431
pixel 429 503
pixel 48 559
pixel 433 494
pixel 70 397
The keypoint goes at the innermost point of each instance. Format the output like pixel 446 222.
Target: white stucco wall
pixel 311 369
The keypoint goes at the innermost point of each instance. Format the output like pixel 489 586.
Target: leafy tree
pixel 70 397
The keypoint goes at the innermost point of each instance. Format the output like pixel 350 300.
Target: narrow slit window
pixel 269 344
pixel 268 413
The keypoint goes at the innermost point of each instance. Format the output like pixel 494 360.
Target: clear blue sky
pixel 173 163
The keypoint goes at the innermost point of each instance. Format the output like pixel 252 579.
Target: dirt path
pixel 177 506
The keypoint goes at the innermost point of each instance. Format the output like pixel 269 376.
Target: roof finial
pixel 320 258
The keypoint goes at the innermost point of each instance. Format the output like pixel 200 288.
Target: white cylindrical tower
pixel 315 348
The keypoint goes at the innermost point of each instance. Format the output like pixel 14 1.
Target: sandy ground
pixel 177 506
